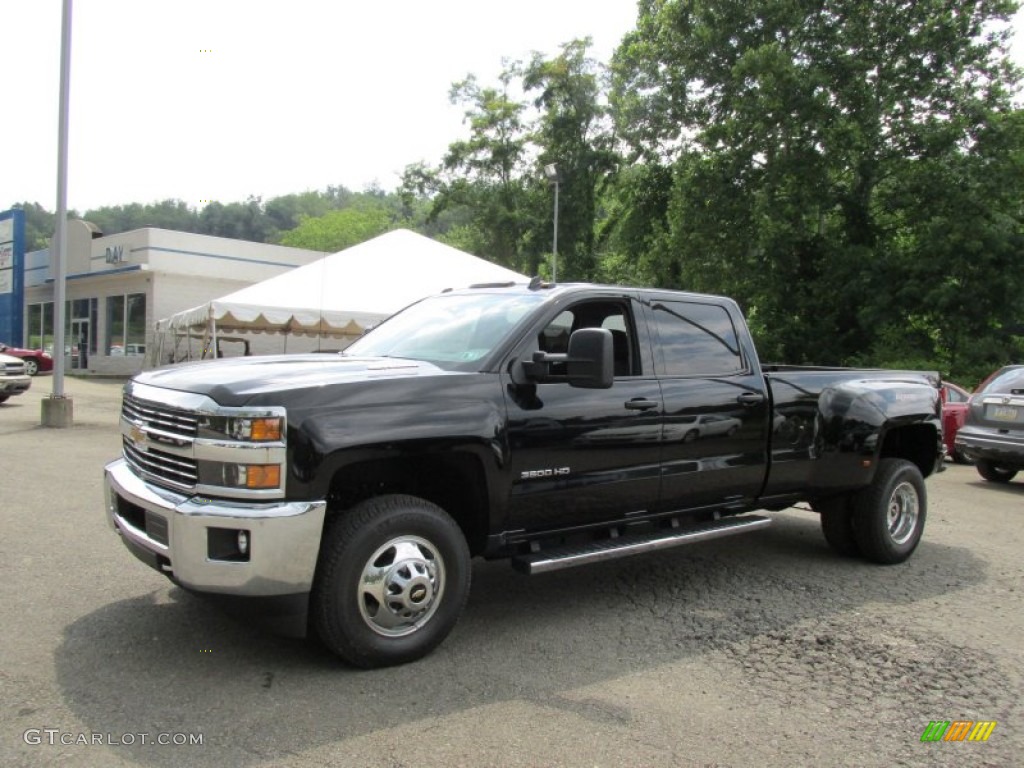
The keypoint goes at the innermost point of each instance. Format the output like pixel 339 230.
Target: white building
pixel 118 286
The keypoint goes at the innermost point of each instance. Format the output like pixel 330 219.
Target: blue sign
pixel 12 276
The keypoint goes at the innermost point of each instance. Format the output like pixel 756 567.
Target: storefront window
pixel 115 325
pixel 136 325
pixel 126 325
pixel 39 326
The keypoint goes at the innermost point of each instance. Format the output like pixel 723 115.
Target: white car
pixel 13 379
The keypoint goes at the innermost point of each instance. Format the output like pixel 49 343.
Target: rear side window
pixel 1009 381
pixel 955 395
pixel 696 339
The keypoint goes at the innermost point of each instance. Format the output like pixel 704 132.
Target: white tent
pixel 343 293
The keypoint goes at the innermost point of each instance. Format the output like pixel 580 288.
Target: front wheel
pixel 993 472
pixel 889 515
pixel 392 581
pixel 31 366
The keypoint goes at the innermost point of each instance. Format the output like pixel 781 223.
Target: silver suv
pixel 993 434
pixel 13 380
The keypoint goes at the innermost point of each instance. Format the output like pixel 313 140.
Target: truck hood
pixel 234 381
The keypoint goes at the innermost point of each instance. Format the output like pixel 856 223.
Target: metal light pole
pixel 551 171
pixel 57 409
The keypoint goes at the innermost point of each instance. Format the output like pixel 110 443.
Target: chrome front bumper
pixel 14 385
pixel 170 531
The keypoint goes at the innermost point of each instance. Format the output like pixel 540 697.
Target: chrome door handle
pixel 641 404
pixel 750 398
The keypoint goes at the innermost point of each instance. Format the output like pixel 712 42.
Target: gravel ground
pixel 758 650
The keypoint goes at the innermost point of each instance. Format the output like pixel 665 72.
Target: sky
pixel 200 100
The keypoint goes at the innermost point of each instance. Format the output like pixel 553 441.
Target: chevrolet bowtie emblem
pixel 138 437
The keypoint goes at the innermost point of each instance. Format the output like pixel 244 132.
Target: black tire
pixel 959 458
pixel 889 515
pixel 837 525
pixel 31 366
pixel 404 550
pixel 993 472
pixel 4 398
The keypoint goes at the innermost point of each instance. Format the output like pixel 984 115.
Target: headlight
pixel 257 430
pixel 265 429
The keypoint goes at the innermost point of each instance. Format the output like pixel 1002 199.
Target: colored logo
pixel 958 730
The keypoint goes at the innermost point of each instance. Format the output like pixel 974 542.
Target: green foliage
pixel 480 179
pixel 39 225
pixel 338 230
pixel 849 171
pixel 574 134
pixel 167 214
pixel 241 221
pixel 491 183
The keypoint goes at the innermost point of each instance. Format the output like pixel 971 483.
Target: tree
pixel 483 174
pixel 338 230
pixel 39 225
pixel 286 212
pixel 799 136
pixel 166 214
pixel 240 221
pixel 573 134
pixel 491 184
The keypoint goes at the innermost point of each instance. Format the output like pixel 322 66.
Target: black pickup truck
pixel 551 425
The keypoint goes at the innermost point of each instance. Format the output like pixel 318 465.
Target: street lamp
pixel 551 171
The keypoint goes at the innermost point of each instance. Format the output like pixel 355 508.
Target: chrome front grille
pixel 178 470
pixel 14 369
pixel 178 440
pixel 160 417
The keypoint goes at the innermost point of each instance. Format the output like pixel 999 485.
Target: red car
pixel 954 413
pixel 36 360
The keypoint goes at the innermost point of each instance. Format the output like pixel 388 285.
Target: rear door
pixel 585 455
pixel 715 434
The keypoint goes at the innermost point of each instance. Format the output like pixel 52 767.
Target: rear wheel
pixel 995 473
pixel 392 580
pixel 889 515
pixel 837 525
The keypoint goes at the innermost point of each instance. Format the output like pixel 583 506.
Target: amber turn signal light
pixel 262 476
pixel 266 429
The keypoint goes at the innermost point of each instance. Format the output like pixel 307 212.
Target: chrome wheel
pixel 888 516
pixel 901 518
pixel 31 367
pixel 392 579
pixel 401 586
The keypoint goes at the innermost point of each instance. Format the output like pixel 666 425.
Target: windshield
pixel 453 332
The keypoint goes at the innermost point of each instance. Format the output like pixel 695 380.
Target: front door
pixel 79 343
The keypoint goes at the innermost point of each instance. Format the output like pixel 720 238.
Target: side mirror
pixel 589 364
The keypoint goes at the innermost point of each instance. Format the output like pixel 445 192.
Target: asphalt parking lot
pixel 763 650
